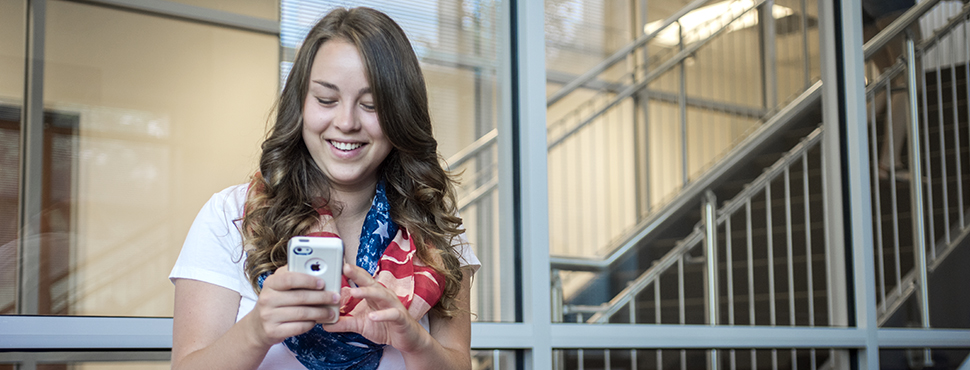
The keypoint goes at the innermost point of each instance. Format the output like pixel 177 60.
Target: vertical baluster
pixel 772 320
pixel 580 355
pixel 893 192
pixel 956 139
pixel 712 281
pixel 942 135
pixel 966 75
pixel 809 278
pixel 729 259
pixel 917 201
pixel 924 160
pixel 877 199
pixel 771 257
pixel 606 359
pixel 656 300
pixel 633 320
pixel 750 240
pixel 680 290
pixel 789 248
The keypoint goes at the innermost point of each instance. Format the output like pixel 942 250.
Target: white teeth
pixel 345 146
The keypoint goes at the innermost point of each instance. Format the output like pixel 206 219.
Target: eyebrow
pixel 333 87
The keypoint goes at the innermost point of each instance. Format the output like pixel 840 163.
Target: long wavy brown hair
pixel 289 187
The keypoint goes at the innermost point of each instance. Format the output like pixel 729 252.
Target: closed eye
pixel 326 101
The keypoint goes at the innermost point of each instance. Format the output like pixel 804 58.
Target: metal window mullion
pixel 529 161
pixel 31 162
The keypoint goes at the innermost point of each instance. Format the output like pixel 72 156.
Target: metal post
pixel 31 163
pixel 710 206
pixel 682 102
pixel 916 195
pixel 769 70
pixel 530 170
pixel 846 166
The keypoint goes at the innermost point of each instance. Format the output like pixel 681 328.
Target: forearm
pixel 436 356
pixel 236 349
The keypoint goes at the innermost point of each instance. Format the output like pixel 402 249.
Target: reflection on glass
pixel 11 99
pixel 145 118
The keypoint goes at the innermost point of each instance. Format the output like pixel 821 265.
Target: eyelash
pixel 369 107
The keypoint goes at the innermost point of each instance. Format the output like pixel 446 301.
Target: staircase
pixel 770 256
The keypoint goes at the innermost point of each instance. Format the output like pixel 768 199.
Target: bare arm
pixel 206 336
pixel 450 344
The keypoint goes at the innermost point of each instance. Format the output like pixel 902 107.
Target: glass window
pixel 457 44
pixel 132 102
pixel 11 99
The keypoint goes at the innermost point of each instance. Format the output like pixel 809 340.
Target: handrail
pixel 465 154
pixel 621 54
pixel 897 26
pixel 774 126
pixel 696 188
pixel 685 245
pixel 653 75
pixel 489 138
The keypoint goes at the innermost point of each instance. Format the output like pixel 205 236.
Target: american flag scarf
pixel 393 263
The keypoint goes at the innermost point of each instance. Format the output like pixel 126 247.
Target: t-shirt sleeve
pixel 466 256
pixel 212 251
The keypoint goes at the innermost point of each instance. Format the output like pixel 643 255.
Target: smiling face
pixel 340 125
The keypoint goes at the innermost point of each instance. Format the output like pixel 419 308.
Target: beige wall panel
pixel 12 49
pixel 170 112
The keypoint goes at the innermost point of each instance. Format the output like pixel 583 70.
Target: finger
pixel 358 275
pixel 343 324
pixel 290 314
pixel 303 297
pixel 286 280
pixel 393 315
pixel 376 293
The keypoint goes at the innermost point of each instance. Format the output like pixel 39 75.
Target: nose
pixel 345 118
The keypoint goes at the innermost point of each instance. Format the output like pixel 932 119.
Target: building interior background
pixel 688 179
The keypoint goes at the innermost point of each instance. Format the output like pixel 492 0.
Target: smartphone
pixel 318 256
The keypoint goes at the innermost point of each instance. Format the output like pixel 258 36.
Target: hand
pixel 380 316
pixel 289 304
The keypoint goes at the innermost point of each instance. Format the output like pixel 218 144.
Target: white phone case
pixel 317 256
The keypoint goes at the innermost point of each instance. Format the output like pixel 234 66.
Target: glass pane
pixel 458 46
pixel 149 117
pixel 11 99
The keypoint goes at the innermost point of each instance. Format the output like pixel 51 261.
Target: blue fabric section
pixel 319 349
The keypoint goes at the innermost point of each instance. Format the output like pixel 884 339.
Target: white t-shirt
pixel 213 253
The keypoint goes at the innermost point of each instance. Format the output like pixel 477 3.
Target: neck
pixel 353 203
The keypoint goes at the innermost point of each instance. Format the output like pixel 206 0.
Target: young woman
pixel 351 154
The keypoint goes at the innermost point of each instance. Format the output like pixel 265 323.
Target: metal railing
pixel 918 100
pixel 749 217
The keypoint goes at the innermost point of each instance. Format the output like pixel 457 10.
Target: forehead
pixel 337 57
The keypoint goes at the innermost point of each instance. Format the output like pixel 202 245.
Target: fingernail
pixel 336 297
pixel 319 283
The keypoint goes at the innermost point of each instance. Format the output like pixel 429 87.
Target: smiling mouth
pixel 343 146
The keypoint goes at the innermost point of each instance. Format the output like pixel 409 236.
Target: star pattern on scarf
pixel 381 230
